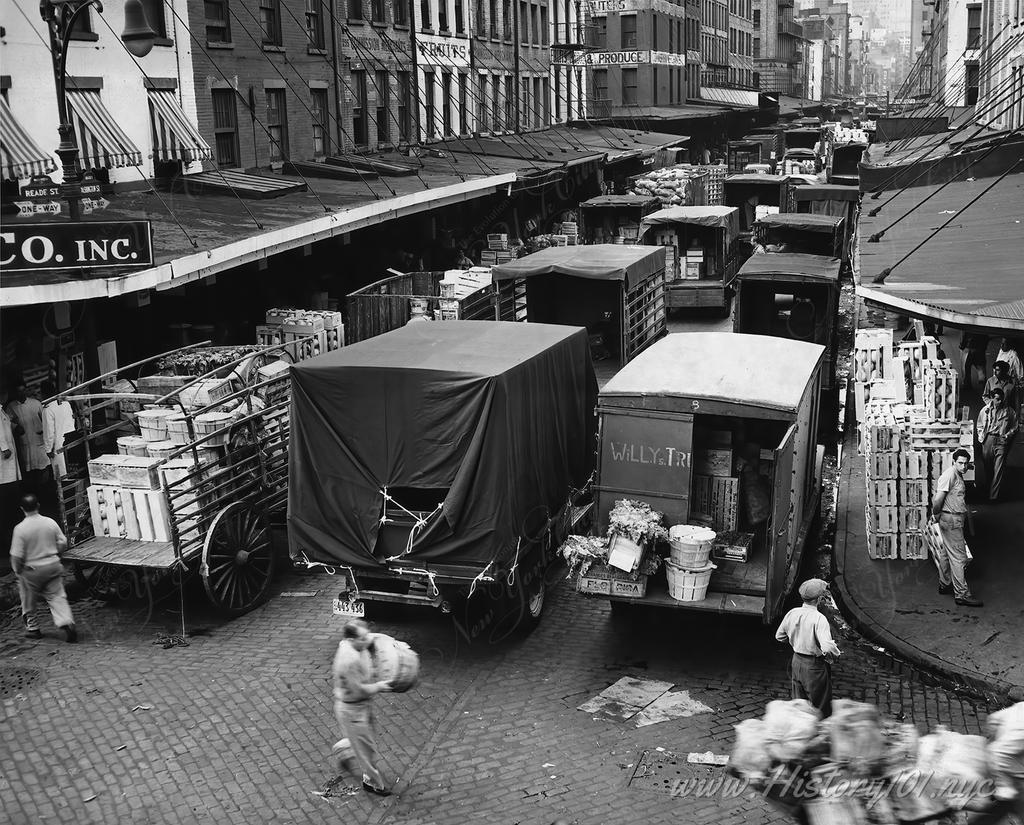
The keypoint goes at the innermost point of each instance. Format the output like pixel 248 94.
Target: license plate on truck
pixel 349 607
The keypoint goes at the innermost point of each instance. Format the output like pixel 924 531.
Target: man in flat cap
pixel 807 631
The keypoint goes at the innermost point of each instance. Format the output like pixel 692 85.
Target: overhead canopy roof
pixel 799 153
pixel 723 217
pixel 795 264
pixel 827 192
pixel 970 273
pixel 600 262
pixel 804 130
pixel 620 200
pixel 801 221
pixel 757 370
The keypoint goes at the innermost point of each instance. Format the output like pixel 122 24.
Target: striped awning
pixel 174 137
pixel 20 156
pixel 101 141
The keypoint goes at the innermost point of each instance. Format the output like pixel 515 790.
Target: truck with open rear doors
pixel 690 392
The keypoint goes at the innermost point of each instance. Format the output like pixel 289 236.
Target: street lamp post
pixel 60 16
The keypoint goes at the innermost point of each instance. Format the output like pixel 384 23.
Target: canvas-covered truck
pixel 718 428
pixel 434 461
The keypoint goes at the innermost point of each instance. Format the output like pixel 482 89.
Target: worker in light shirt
pixel 807 631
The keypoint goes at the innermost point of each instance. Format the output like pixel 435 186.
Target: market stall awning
pixel 718 366
pixel 20 156
pixel 800 222
pixel 101 140
pixel 968 273
pixel 638 201
pixel 793 264
pixel 724 217
pixel 827 192
pixel 765 180
pixel 599 262
pixel 174 136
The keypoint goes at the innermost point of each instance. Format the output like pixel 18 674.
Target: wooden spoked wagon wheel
pixel 238 559
pixel 99 580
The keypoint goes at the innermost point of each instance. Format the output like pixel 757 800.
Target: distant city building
pixel 778 48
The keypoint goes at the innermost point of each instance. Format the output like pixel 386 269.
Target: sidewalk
pixel 896 603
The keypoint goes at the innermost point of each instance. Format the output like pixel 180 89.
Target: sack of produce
pixel 855 736
pixel 900 747
pixel 394 662
pixel 1006 750
pixel 749 756
pixel 790 728
pixel 955 766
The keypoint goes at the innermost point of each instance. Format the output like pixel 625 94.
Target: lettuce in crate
pixel 582 552
pixel 637 521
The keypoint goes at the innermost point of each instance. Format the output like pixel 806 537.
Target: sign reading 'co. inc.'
pixel 39 246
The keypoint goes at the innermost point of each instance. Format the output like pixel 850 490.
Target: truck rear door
pixel 646 455
pixel 780 528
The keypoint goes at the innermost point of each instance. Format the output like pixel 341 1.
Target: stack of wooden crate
pixel 324 330
pixel 874 369
pixel 914 354
pixel 880 442
pixel 941 389
pixel 571 231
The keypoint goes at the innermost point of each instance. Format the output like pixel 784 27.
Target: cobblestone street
pixel 237 726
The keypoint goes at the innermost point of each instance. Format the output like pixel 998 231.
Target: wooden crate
pixel 881 492
pixel 913 518
pixel 716 500
pixel 872 355
pixel 882 545
pixel 627 588
pixel 933 435
pixel 913 491
pixel 883 465
pixel 913 464
pixel 882 437
pixel 941 390
pixel 913 545
pixel 882 519
pixel 595 585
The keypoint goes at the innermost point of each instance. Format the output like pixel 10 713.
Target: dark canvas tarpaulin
pixel 800 222
pixel 827 192
pixel 613 201
pixel 600 262
pixel 812 267
pixel 722 217
pixel 497 416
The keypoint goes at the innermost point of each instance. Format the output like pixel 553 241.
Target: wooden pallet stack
pixel 881 445
pixel 914 354
pixel 941 389
pixel 874 369
pixel 324 330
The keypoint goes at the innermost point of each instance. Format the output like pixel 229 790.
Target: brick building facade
pixel 778 47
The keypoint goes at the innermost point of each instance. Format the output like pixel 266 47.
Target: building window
pixel 270 20
pixel 401 13
pixel 496 104
pixel 319 110
pixel 568 94
pixel 545 35
pixel 360 130
pixel 277 124
pixel 627 23
pixel 534 24
pixel 404 95
pixel 460 18
pixel 510 98
pixel 601 84
pixel 446 103
pixel 315 23
pixel 426 15
pixel 506 18
pixel 601 32
pixel 757 18
pixel 355 9
pixel 463 107
pixel 225 127
pixel 545 96
pixel 442 15
pixel 377 11
pixel 428 101
pixel 218 26
pixel 538 103
pixel 383 84
pixel 974 26
pixel 82 26
pixel 558 93
pixel 492 17
pixel 971 84
pixel 629 86
pixel 481 103
pixel 155 15
pixel 524 25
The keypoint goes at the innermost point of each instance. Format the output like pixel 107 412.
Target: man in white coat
pixel 58 421
pixel 28 416
pixel 10 479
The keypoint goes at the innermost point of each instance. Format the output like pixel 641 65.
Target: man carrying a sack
pixel 949 509
pixel 807 631
pixel 354 690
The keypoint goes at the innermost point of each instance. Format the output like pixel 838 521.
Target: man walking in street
pixel 354 690
pixel 949 509
pixel 807 631
pixel 997 425
pixel 36 548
